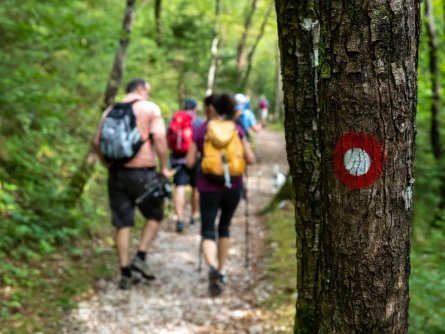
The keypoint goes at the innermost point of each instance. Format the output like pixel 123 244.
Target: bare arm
pixel 248 153
pixel 160 144
pixel 190 159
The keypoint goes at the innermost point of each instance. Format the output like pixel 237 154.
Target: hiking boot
pixel 215 288
pixel 179 226
pixel 126 282
pixel 142 267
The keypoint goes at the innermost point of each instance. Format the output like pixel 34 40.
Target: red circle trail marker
pixel 358 160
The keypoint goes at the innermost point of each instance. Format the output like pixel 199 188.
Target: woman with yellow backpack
pixel 221 149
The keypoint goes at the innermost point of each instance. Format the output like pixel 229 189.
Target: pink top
pixel 149 121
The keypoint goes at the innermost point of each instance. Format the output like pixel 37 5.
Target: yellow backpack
pixel 223 152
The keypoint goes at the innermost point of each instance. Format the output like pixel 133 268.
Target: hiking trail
pixel 177 302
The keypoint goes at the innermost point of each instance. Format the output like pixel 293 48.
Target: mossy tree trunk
pixel 249 61
pixel 242 45
pixel 360 116
pixel 80 178
pixel 211 75
pixel 158 22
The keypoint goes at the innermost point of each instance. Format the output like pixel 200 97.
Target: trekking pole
pixel 200 257
pixel 246 223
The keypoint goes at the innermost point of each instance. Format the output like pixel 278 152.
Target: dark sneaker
pixel 215 287
pixel 193 220
pixel 222 278
pixel 179 226
pixel 142 267
pixel 126 282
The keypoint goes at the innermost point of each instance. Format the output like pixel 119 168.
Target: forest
pixel 63 62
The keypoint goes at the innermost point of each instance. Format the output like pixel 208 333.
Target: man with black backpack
pixel 180 138
pixel 131 134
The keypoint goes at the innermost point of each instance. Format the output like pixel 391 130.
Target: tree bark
pixel 254 47
pixel 366 90
pixel 75 188
pixel 435 75
pixel 214 51
pixel 241 50
pixel 278 105
pixel 158 22
pixel 119 61
pixel 298 31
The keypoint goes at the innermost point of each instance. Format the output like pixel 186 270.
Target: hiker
pixel 224 152
pixel 130 136
pixel 263 106
pixel 179 140
pixel 245 117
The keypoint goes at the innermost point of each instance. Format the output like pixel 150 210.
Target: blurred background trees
pixel 56 60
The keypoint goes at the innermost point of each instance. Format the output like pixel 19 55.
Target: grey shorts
pixel 125 185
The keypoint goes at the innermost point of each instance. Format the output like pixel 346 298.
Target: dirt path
pixel 177 302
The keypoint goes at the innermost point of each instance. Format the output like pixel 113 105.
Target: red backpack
pixel 180 133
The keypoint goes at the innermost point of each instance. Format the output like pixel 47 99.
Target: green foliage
pixel 56 60
pixel 281 269
pixel 427 286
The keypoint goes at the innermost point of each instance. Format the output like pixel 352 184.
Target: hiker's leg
pixel 153 211
pixel 179 201
pixel 209 205
pixel 223 252
pixel 122 214
pixel 149 233
pixel 210 252
pixel 122 240
pixel 195 202
pixel 229 203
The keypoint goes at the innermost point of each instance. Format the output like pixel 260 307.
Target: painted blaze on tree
pixel 360 102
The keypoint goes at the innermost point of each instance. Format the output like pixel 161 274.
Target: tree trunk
pixel 254 47
pixel 119 61
pixel 241 51
pixel 278 105
pixel 214 51
pixel 435 75
pixel 158 22
pixel 80 178
pixel 435 104
pixel 298 31
pixel 367 101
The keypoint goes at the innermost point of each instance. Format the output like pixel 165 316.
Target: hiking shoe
pixel 215 288
pixel 126 282
pixel 179 226
pixel 142 267
pixel 193 220
pixel 222 278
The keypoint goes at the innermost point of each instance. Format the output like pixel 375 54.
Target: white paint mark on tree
pixel 408 197
pixel 315 62
pixel 309 24
pixel 357 161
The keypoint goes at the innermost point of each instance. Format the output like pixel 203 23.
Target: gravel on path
pixel 177 302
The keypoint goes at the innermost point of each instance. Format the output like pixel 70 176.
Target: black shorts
pixel 124 187
pixel 185 176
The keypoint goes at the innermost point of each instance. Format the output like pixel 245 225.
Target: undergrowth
pixel 427 280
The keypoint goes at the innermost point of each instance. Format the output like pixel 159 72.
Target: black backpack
pixel 120 139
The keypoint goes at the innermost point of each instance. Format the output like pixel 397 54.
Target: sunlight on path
pixel 177 302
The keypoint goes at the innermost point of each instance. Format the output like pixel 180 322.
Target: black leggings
pixel 212 201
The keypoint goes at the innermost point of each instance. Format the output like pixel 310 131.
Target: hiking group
pixel 209 155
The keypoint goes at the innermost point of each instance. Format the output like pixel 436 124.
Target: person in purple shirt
pixel 215 196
